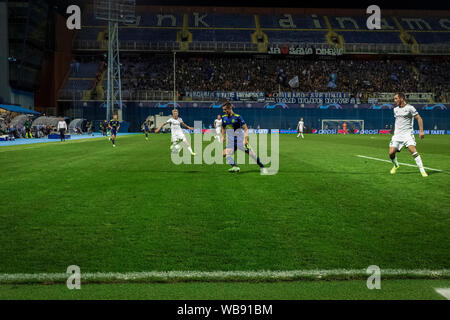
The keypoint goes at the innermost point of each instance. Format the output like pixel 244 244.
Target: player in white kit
pixel 175 129
pixel 300 127
pixel 218 126
pixel 404 132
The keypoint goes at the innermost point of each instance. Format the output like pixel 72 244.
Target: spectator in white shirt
pixel 62 127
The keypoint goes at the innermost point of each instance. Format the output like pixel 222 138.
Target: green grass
pixel 297 290
pixel 131 209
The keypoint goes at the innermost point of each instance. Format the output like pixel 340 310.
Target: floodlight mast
pixel 115 12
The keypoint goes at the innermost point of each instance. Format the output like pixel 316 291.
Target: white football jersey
pixel 404 121
pixel 175 124
pixel 300 125
pixel 218 123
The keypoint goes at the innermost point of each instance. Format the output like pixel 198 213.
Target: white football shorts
pixel 401 142
pixel 178 135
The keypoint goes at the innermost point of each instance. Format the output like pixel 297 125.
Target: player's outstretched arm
pixel 420 122
pixel 159 129
pixel 186 126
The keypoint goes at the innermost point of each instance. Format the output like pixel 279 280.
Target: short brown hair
pixel 224 103
pixel 401 95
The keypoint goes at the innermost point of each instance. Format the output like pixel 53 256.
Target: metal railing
pixel 215 46
pixel 127 45
pixel 130 45
pixel 223 46
pixel 130 95
pixel 147 95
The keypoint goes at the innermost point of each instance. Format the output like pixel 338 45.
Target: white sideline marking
pixel 222 275
pixel 444 292
pixel 404 164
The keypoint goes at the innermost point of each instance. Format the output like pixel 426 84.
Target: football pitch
pixel 331 211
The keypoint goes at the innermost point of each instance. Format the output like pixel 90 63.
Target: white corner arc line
pixel 444 292
pixel 403 164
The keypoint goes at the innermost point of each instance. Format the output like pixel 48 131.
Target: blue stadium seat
pixel 371 37
pixel 222 35
pixel 431 37
pixel 226 21
pixel 88 33
pixel 148 34
pixel 300 21
pixel 79 84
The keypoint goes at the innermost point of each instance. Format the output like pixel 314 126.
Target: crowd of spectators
pixel 270 74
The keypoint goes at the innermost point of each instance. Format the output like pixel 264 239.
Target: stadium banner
pixel 303 50
pixel 258 131
pixel 312 97
pixel 375 131
pixel 432 132
pixel 231 95
pixel 417 97
pixel 271 104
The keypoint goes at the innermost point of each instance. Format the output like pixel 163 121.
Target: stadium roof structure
pixel 14 108
pixel 347 4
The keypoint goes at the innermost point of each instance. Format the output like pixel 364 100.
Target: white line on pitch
pixel 404 164
pixel 444 292
pixel 225 275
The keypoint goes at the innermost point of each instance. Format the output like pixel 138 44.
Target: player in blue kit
pixel 235 130
pixel 146 128
pixel 114 125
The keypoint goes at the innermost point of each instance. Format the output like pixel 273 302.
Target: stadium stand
pixel 232 73
pixel 224 27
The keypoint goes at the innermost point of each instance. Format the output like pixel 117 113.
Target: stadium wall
pixel 277 118
pixel 56 67
pixel 4 64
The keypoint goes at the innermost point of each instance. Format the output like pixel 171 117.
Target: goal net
pixel 343 126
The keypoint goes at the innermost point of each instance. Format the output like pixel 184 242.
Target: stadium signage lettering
pixel 430 131
pixel 333 131
pixel 303 51
pixel 311 94
pixel 375 131
pixel 412 96
pixel 233 95
pixel 312 97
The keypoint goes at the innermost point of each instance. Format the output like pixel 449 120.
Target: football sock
pixel 190 150
pixel 395 161
pixel 254 157
pixel 418 160
pixel 302 136
pixel 230 161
